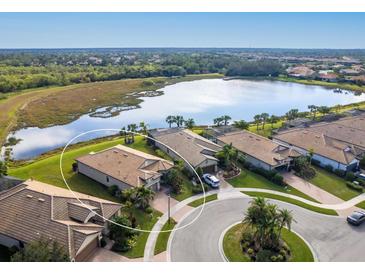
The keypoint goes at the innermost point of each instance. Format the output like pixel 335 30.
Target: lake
pixel 202 100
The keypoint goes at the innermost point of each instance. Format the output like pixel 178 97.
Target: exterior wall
pixel 8 241
pixel 100 177
pixel 257 163
pixel 324 161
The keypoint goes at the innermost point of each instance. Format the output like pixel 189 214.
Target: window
pixel 107 179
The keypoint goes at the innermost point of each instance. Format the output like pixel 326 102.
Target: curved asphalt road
pixel 331 238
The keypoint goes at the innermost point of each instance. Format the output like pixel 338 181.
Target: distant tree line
pixel 20 71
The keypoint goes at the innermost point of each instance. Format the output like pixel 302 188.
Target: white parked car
pixel 211 180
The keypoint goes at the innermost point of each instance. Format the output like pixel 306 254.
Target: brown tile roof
pixel 34 209
pixel 258 147
pixel 126 164
pixel 188 144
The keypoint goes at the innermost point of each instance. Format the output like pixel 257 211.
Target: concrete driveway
pixel 331 238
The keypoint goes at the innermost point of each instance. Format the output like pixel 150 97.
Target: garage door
pixel 209 169
pixel 87 251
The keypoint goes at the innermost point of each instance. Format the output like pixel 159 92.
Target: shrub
pixel 350 176
pixel 329 168
pixel 354 186
pixel 273 258
pixel 74 167
pixel 102 242
pixel 362 163
pixel 264 255
pixel 199 170
pixel 245 245
pixel 278 179
pixel 280 258
pixel 241 159
pixel 198 188
pixel 250 251
pixel 339 172
pixel 113 190
pixel 149 210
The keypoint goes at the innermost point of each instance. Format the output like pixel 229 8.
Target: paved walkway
pixel 316 193
pixel 105 255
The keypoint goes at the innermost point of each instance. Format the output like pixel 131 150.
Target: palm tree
pixel 179 120
pixel 143 197
pixel 132 128
pixel 257 119
pixel 264 117
pixel 143 127
pixel 313 109
pixel 170 120
pixel 3 169
pixel 189 123
pixel 324 110
pixel 274 119
pixel 241 124
pixel 225 119
pixel 229 154
pixel 123 132
pixel 292 114
pixel 285 219
pixel 217 121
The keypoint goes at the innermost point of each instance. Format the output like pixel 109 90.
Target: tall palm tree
pixel 132 128
pixel 286 218
pixel 226 119
pixel 264 117
pixel 170 120
pixel 124 133
pixel 229 154
pixel 179 120
pixel 143 127
pixel 273 119
pixel 189 123
pixel 257 119
pixel 313 109
pixel 217 121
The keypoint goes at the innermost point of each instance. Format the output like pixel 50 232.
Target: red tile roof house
pixel 124 167
pixel 34 210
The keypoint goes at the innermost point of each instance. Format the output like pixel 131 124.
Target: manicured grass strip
pixel 361 205
pixel 250 179
pixel 291 201
pixel 200 201
pixel 163 237
pixel 146 222
pixel 333 184
pixel 232 247
pixel 300 252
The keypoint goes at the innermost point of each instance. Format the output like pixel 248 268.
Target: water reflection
pixel 202 100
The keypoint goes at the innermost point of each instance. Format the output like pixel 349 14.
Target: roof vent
pixel 125 154
pixel 29 196
pixel 115 151
pixel 41 200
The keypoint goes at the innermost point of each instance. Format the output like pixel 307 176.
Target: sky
pixel 241 30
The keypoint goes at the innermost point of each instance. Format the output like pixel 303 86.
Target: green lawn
pixel 200 201
pixel 291 201
pixel 267 130
pixel 300 252
pixel 4 254
pixel 186 192
pixel 250 179
pixel 145 222
pixel 163 237
pixel 361 205
pixel 333 184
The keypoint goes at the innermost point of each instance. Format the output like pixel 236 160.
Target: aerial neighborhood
pixel 249 155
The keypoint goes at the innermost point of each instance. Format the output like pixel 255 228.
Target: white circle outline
pixel 110 221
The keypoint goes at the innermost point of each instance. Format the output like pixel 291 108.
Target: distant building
pixel 300 72
pixel 34 210
pixel 260 151
pixel 124 167
pixel 197 150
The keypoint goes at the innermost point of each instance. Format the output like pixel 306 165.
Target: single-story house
pixel 340 143
pixel 259 151
pixel 124 167
pixel 197 150
pixel 34 210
